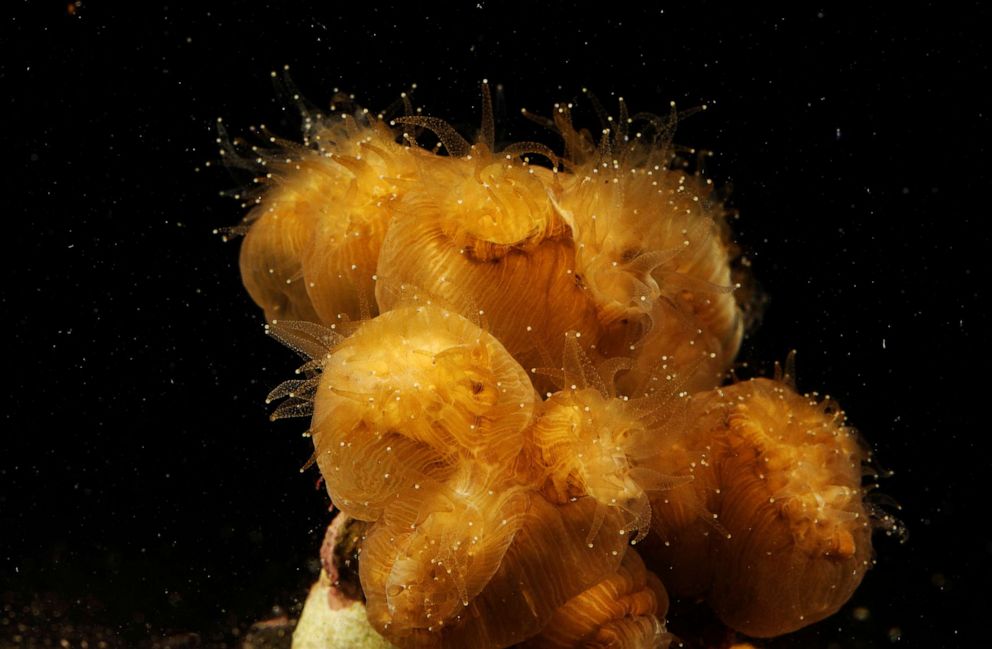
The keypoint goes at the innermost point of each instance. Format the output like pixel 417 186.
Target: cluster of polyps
pixel 515 376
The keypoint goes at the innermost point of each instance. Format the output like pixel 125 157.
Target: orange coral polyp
pixel 585 441
pixel 791 540
pixel 648 234
pixel 272 252
pixel 318 229
pixel 428 558
pixel 417 380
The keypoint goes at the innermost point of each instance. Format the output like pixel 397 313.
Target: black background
pixel 141 483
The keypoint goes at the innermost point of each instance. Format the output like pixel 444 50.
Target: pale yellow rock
pixel 321 627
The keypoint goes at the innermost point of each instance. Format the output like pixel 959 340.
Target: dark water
pixel 145 497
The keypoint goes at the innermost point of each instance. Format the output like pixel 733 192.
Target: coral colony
pixel 516 378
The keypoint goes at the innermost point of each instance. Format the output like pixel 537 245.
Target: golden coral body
pixel 780 474
pixel 514 376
